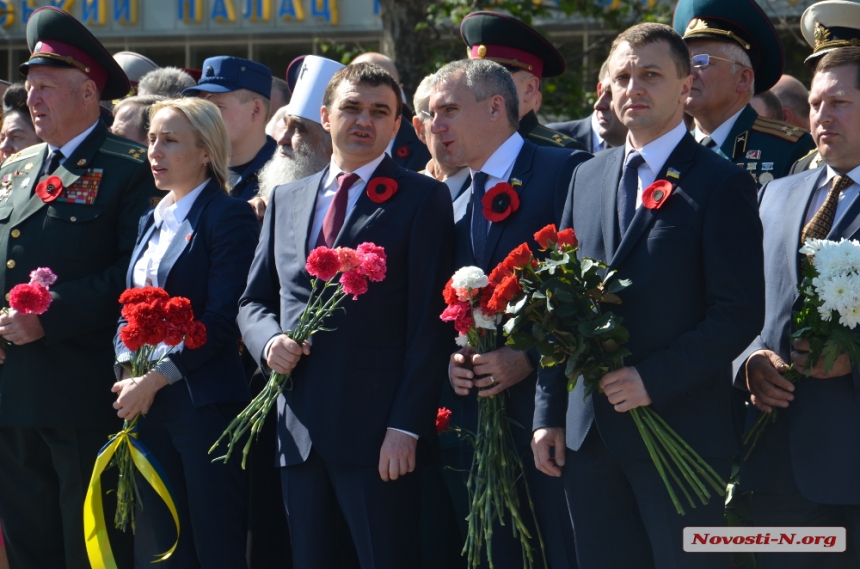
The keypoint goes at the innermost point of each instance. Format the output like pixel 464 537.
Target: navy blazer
pixel 579 130
pixel 813 445
pixel 205 262
pixel 408 150
pixel 545 174
pixel 696 299
pixel 380 365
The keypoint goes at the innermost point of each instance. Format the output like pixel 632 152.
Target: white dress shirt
pixel 454 182
pixel 846 196
pixel 68 148
pixel 655 153
pixel 500 164
pixel 597 141
pixel 721 133
pixel 326 196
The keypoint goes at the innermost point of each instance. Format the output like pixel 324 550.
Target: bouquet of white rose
pixel 830 312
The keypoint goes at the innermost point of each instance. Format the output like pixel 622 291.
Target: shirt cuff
pixel 169 370
pixel 118 367
pixel 413 435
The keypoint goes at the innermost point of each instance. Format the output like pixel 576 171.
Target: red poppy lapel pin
pixel 500 201
pixel 655 195
pixel 381 189
pixel 49 189
pixel 188 237
pixel 403 152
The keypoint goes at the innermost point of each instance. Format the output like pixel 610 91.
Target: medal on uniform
pixel 766 166
pixel 751 166
pixel 28 166
pixel 765 178
pixel 25 182
pixel 753 154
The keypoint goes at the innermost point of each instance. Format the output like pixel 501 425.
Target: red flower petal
pixel 655 195
pixel 49 189
pixel 443 419
pixel 546 236
pixel 381 189
pixel 500 201
pixel 567 237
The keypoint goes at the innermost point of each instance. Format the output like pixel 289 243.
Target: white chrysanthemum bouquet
pixel 829 315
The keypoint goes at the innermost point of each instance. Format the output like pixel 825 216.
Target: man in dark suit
pixel 406 149
pixel 474 109
pixel 361 411
pixel 694 303
pixel 602 129
pixel 55 402
pixel 797 480
pixel 736 53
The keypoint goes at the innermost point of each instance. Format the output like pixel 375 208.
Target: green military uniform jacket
pixel 809 162
pixel 536 133
pixel 766 148
pixel 63 380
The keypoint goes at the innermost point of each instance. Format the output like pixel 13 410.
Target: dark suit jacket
pixel 695 301
pixel 381 365
pixel 545 174
pixel 812 446
pixel 205 262
pixel 408 150
pixel 63 380
pixel 248 185
pixel 579 130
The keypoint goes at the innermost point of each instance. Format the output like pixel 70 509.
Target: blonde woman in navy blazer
pixel 197 243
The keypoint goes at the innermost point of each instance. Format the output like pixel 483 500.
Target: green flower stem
pixel 654 457
pixel 764 419
pixel 680 463
pixel 668 466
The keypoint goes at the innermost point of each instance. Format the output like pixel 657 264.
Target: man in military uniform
pixel 529 57
pixel 55 399
pixel 736 53
pixel 827 25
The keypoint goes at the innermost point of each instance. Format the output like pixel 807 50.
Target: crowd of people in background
pixel 216 183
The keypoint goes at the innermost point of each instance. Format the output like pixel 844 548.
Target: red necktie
pixel 337 210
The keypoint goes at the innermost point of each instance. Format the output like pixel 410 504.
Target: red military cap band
pixel 509 56
pixel 70 55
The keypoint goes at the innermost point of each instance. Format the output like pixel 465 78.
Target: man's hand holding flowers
pixel 800 353
pixel 624 389
pixel 767 386
pixel 285 353
pixel 502 368
pixel 136 394
pixel 20 328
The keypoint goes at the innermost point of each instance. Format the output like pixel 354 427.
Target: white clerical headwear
pixel 307 97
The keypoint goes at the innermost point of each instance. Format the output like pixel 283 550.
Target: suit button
pixel 15 234
pixel 73 219
pixel 10 264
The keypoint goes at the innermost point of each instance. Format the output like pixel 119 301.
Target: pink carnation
pixel 373 266
pixel 460 314
pixel 323 263
pixel 371 248
pixel 349 259
pixel 30 298
pixel 43 277
pixel 354 283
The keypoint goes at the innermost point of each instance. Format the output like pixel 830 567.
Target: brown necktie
pixel 821 223
pixel 336 213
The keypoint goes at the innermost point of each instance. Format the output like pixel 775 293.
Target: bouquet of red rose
pixel 33 297
pixel 475 306
pixel 561 314
pixel 156 325
pixel 356 267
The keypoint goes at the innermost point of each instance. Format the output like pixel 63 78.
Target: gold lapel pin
pixel 82 161
pixel 516 182
pixel 28 166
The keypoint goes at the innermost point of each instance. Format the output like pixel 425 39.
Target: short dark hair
pixel 649 32
pixel 142 114
pixel 841 57
pixel 363 74
pixel 772 104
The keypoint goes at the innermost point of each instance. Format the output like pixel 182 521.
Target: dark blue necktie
pixel 53 162
pixel 479 222
pixel 628 190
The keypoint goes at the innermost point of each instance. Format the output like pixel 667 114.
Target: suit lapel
pixel 680 160
pixel 609 198
pixel 303 201
pixel 741 127
pixel 182 238
pixel 521 171
pixel 848 223
pixel 365 209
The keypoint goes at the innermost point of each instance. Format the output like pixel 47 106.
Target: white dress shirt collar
pixel 596 140
pixel 172 213
pixel 501 162
pixel 364 172
pixel 68 148
pixel 657 152
pixel 721 133
pixel 846 196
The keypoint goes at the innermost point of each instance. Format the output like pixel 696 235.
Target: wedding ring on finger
pixel 492 380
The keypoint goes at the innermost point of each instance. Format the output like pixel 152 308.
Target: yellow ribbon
pixel 95 530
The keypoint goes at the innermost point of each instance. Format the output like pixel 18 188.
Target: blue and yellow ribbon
pixel 95 530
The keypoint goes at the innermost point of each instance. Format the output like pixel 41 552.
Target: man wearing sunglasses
pixel 736 53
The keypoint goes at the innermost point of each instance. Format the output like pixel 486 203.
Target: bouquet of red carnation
pixel 33 297
pixel 356 267
pixel 154 320
pixel 475 306
pixel 443 419
pixel 561 314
